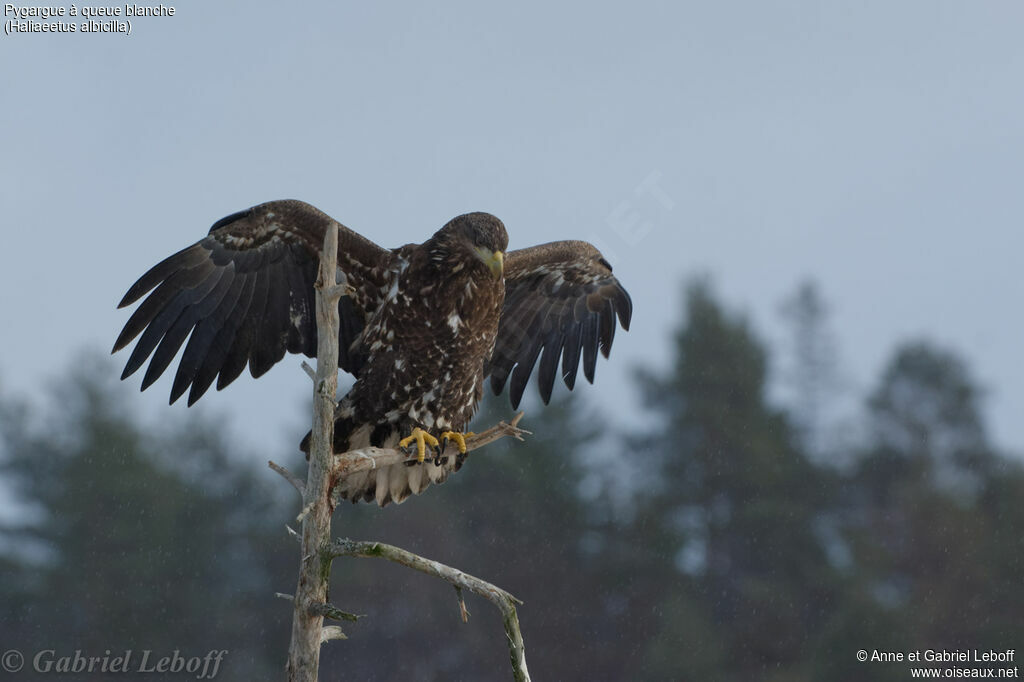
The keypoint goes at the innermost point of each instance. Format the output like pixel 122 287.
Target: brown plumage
pixel 424 326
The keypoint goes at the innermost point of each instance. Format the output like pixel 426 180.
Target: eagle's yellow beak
pixel 495 260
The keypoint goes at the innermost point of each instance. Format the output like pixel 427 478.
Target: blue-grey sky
pixel 877 147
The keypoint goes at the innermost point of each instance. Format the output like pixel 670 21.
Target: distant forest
pixel 731 536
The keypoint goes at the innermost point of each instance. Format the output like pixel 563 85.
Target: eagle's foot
pixel 422 439
pixel 459 438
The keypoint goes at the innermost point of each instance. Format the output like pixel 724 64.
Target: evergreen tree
pixel 810 373
pixel 1001 559
pixel 141 539
pixel 930 504
pixel 926 413
pixel 738 505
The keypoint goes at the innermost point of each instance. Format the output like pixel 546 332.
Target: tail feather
pixel 393 483
pixel 416 483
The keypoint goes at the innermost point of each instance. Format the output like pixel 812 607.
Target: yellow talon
pixel 422 438
pixel 459 438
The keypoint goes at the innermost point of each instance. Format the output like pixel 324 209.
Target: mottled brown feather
pixel 560 297
pixel 277 245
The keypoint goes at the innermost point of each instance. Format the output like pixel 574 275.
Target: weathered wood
pixel 505 602
pixel 314 568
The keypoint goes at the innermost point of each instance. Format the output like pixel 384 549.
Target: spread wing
pixel 244 295
pixel 561 301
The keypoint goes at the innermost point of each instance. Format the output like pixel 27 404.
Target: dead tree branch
pixel 505 602
pixel 308 632
pixel 289 476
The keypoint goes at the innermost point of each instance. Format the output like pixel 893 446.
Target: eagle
pixel 422 326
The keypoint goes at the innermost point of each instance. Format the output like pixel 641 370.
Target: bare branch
pixel 505 602
pixel 516 646
pixel 310 372
pixel 288 476
pixel 462 604
pixel 371 549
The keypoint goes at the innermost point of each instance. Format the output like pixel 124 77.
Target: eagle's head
pixel 474 242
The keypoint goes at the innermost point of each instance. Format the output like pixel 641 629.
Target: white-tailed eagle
pixel 423 327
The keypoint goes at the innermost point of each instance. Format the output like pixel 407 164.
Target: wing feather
pixel 606 331
pixel 244 347
pixel 522 371
pixel 571 354
pixel 203 301
pixel 548 368
pixel 174 296
pixel 224 327
pixel 589 343
pixel 301 305
pixel 183 260
pixel 561 300
pixel 201 342
pixel 245 295
pixel 180 279
pixel 270 325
